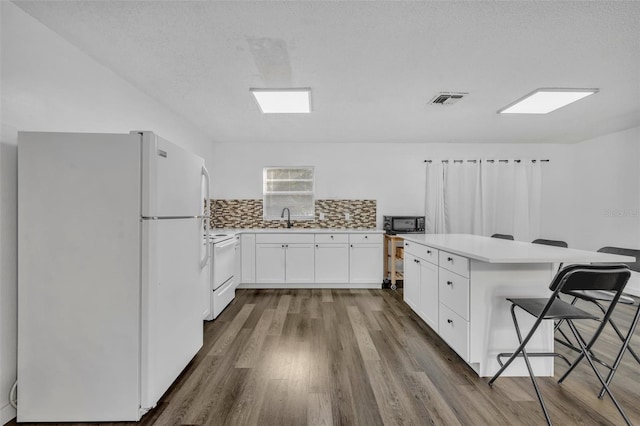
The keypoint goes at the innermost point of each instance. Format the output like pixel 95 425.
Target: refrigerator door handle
pixel 207 218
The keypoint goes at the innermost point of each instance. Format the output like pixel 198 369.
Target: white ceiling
pixel 372 66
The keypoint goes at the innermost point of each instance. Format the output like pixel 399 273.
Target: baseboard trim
pixel 310 285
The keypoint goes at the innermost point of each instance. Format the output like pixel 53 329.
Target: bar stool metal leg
pixel 516 353
pixel 625 347
pixel 585 354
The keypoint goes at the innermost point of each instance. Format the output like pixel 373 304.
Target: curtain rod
pixel 488 161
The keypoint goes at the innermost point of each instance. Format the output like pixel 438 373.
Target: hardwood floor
pixel 361 357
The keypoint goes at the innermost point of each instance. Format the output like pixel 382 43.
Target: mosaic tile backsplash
pixel 248 214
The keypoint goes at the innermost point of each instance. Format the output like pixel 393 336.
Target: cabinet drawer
pixel 365 238
pixel 284 238
pixel 455 331
pixel 332 238
pixel 454 263
pixel 424 252
pixel 454 292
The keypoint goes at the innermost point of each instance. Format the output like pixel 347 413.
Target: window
pixel 288 187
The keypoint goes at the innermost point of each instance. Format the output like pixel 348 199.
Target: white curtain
pixel 434 208
pixel 462 202
pixel 484 197
pixel 511 196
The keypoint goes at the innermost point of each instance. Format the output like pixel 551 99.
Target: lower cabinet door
pixel 332 263
pixel 455 331
pixel 248 262
pixel 270 263
pixel 411 284
pixel 365 263
pixel 428 302
pixel 299 263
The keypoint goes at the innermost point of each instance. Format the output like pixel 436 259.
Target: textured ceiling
pixel 372 66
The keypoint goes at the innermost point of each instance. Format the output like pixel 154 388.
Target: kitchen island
pixel 458 284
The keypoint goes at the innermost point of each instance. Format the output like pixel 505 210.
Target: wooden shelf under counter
pixel 393 253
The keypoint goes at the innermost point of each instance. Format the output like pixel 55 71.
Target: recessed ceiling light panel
pixel 283 101
pixel 542 101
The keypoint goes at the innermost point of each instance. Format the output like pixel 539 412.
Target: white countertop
pixel 494 250
pixel 297 231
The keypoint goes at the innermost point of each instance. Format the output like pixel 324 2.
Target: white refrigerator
pixel 111 263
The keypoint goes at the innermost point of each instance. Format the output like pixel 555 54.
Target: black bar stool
pixel 598 297
pixel 503 236
pixel 571 278
pixel 563 244
pixel 556 243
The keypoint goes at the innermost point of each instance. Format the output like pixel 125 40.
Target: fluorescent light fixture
pixel 283 101
pixel 542 101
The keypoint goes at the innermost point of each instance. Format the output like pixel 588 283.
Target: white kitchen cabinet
pixel 307 259
pixel 454 330
pixel 299 263
pixel 365 258
pixel 332 258
pixel 248 262
pixel 332 263
pixel 284 258
pixel 270 258
pixel 421 284
pixel 411 284
pixel 237 273
pixel 428 300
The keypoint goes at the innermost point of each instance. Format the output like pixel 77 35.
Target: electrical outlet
pixel 321 216
pixel 347 216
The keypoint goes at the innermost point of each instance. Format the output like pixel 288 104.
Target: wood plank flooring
pixel 362 357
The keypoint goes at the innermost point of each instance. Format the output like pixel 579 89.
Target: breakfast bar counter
pixel 458 284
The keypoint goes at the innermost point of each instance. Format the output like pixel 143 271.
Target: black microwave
pixel 404 224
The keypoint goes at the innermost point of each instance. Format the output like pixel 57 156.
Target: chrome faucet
pixel 288 216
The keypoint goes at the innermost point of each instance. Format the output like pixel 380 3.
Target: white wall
pixel 605 183
pixel 605 193
pixel 392 174
pixel 49 85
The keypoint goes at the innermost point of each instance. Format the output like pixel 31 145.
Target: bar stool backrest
pixel 556 243
pixel 634 266
pixel 503 236
pixel 607 276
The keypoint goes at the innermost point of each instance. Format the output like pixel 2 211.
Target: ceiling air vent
pixel 447 98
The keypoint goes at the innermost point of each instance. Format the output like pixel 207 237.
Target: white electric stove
pixel 223 258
